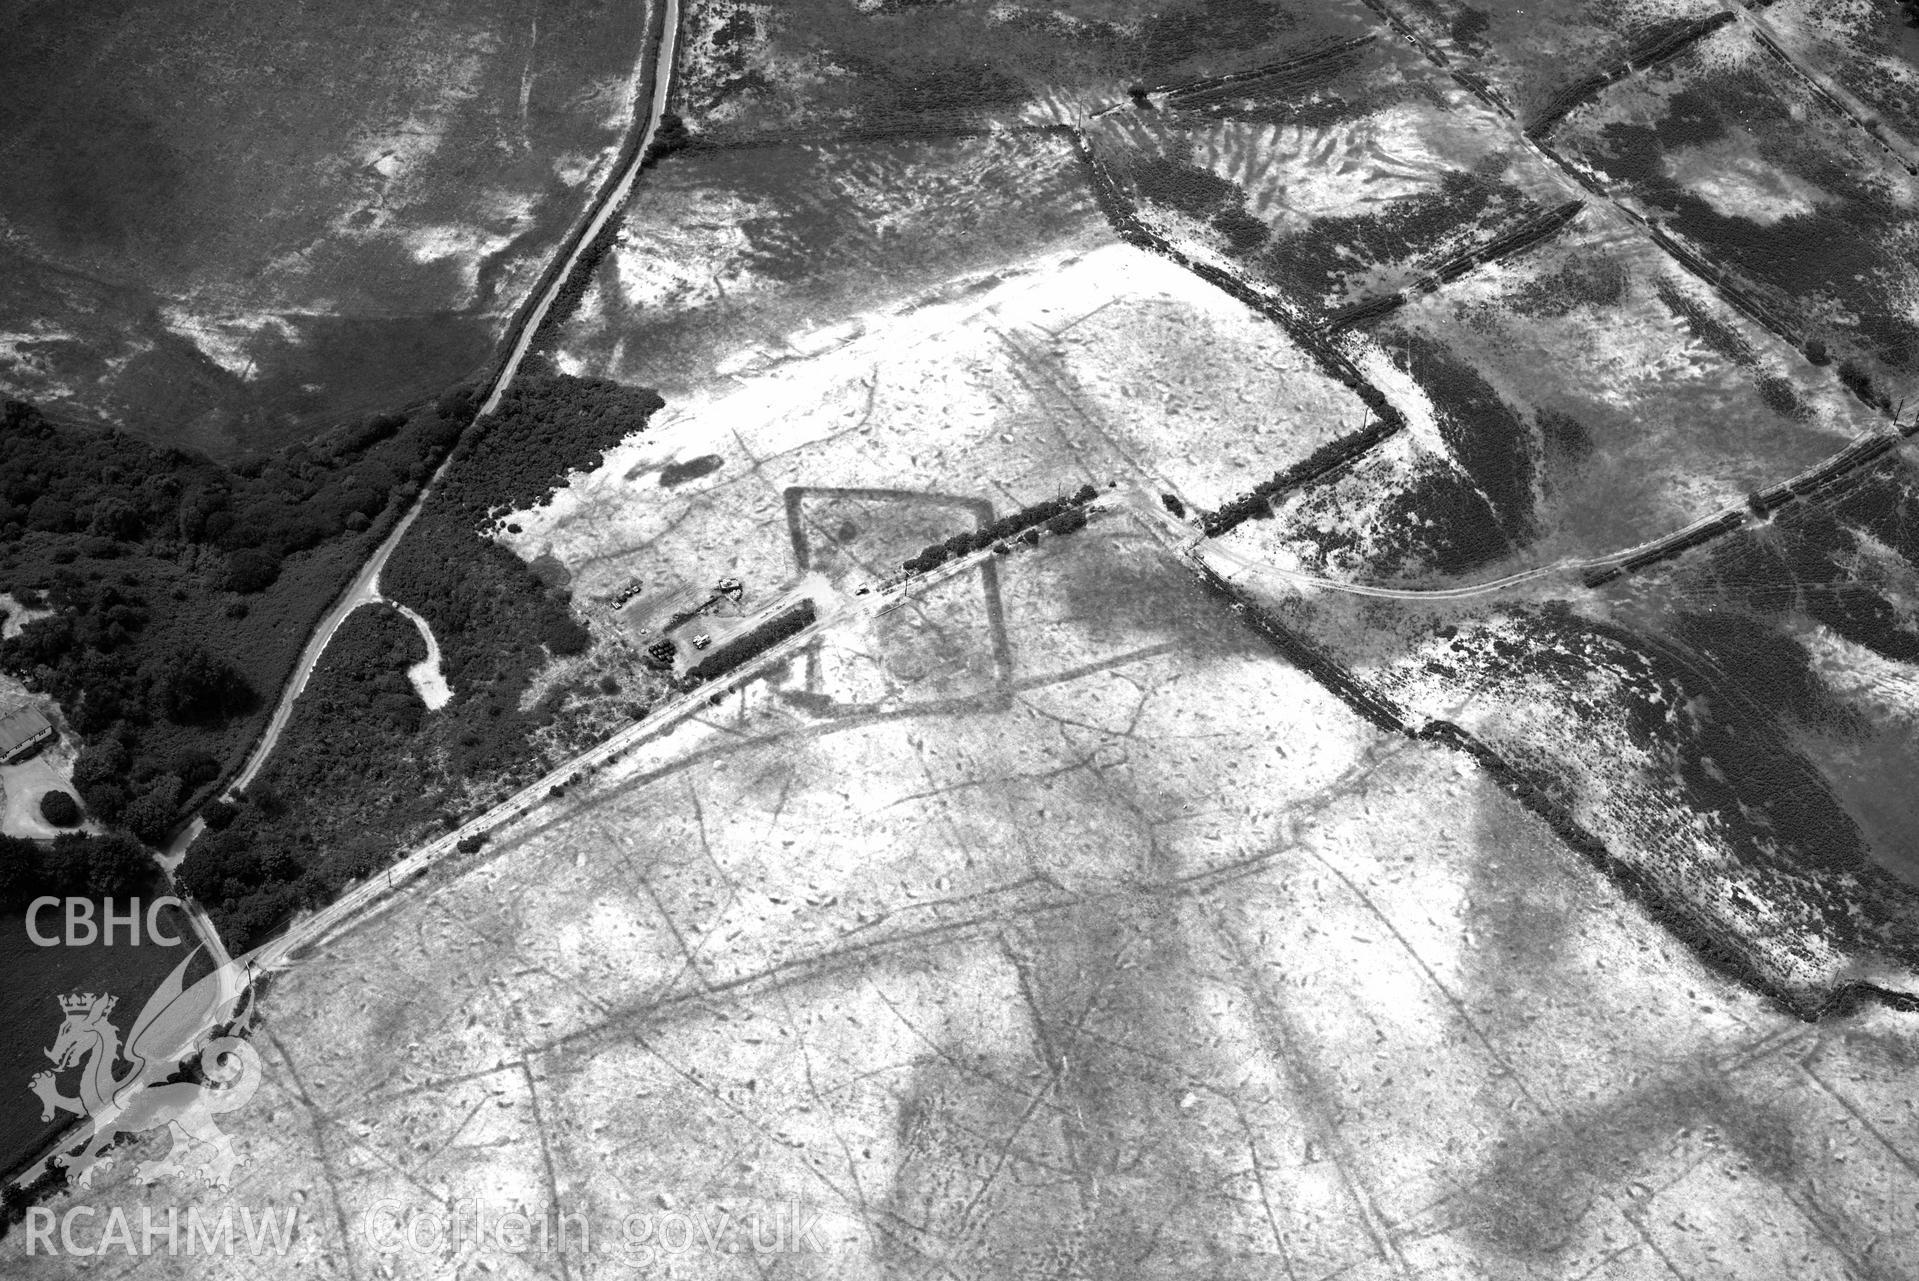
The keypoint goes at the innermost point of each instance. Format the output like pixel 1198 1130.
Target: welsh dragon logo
pixel 164 1039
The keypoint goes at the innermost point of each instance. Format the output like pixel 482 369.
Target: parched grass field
pixel 1156 958
pixel 1095 367
pixel 229 225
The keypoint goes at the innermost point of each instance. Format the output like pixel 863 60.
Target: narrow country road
pixel 365 587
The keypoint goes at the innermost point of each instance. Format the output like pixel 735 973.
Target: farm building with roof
pixel 21 733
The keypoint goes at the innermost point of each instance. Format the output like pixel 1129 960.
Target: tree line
pixel 73 864
pixel 364 770
pixel 178 587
